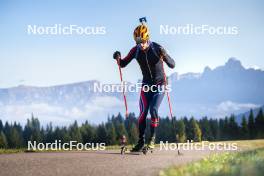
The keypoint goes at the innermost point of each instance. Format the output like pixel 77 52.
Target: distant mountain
pixel 246 114
pixel 230 82
pixel 189 76
pixel 227 89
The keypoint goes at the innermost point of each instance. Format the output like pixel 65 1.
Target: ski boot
pixel 150 147
pixel 139 147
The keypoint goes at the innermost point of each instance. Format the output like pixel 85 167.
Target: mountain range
pixel 226 89
pixel 246 114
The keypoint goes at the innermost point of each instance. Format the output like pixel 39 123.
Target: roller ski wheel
pixel 146 150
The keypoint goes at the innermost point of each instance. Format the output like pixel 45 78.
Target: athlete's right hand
pixel 117 55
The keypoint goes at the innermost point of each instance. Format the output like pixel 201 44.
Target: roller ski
pixel 150 147
pixel 139 147
pixel 147 149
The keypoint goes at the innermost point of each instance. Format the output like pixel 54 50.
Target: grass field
pixel 250 161
pixel 9 151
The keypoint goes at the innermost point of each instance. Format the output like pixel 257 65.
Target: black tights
pixel 149 101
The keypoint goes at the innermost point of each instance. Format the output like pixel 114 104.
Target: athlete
pixel 150 57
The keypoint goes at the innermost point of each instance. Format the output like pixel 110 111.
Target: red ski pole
pixel 168 96
pixel 124 95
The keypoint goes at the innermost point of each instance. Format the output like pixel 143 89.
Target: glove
pixel 117 55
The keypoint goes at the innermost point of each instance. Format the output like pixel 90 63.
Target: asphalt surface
pixel 99 163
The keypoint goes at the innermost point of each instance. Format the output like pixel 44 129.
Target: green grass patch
pixel 8 151
pixel 246 144
pixel 227 164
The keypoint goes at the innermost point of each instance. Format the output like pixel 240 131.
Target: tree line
pixel 13 135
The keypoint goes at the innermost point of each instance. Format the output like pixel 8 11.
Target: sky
pixel 45 60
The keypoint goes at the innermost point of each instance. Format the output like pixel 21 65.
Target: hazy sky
pixel 43 60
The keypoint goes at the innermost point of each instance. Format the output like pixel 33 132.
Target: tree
pixel 131 128
pixel 188 129
pixel 42 134
pixel 214 125
pixel 75 133
pixel 7 132
pixel 65 135
pixel 1 125
pixel 111 134
pixel 57 133
pixel 101 134
pixel 49 136
pixel 221 129
pixel 233 129
pixel 119 118
pixel 244 128
pixel 206 129
pixel 251 125
pixel 88 133
pixel 165 130
pixel 133 134
pixel 260 124
pixel 196 131
pixel 15 139
pixel 35 136
pixel 3 141
pixel 120 130
pixel 180 130
pixel 32 130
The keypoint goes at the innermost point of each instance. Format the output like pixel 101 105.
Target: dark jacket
pixel 149 62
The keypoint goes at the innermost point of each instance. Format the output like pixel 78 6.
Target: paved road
pixel 99 163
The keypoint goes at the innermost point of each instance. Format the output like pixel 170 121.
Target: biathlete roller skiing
pixel 150 57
